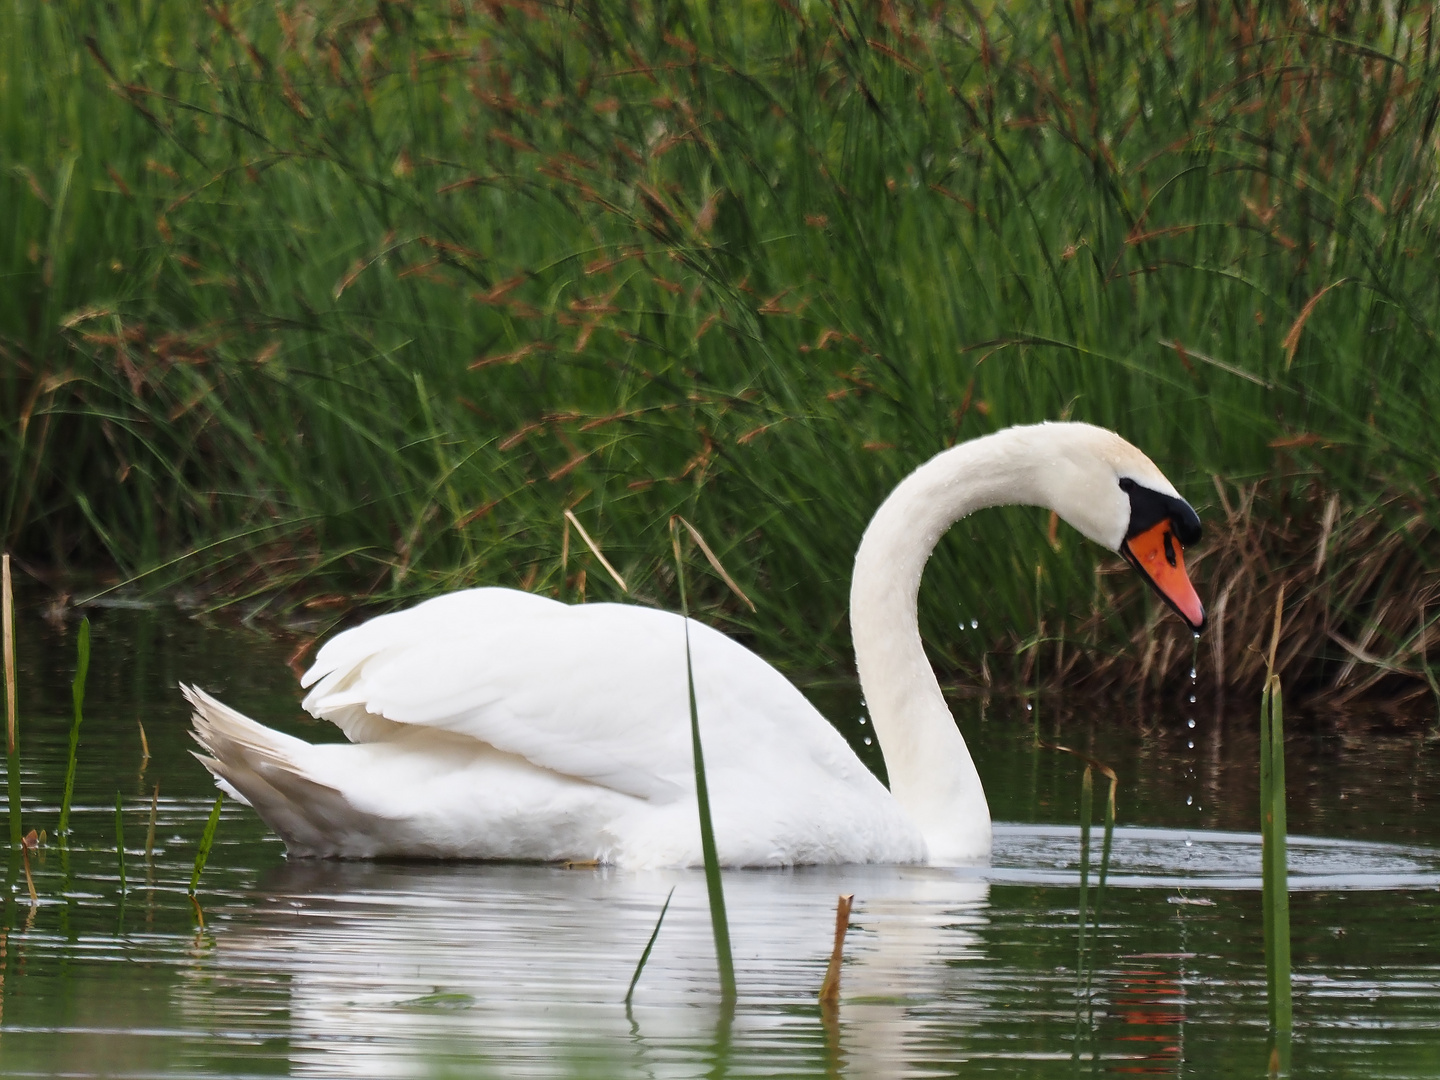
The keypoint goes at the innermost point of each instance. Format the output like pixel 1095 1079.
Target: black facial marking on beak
pixel 1149 507
pixel 1156 522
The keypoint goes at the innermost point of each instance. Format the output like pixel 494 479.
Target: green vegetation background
pixel 314 302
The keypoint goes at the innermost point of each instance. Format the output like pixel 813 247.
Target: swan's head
pixel 1115 495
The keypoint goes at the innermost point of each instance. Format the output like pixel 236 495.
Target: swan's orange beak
pixel 1161 561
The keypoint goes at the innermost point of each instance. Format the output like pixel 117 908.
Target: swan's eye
pixel 1169 547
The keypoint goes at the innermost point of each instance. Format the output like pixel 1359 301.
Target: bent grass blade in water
pixel 720 925
pixel 77 698
pixel 202 855
pixel 645 955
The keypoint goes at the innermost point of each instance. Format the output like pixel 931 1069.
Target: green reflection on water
pixel 504 970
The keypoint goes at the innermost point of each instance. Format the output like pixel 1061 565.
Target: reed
pixel 830 986
pixel 150 828
pixel 1275 889
pixel 12 732
pixel 645 953
pixel 77 701
pixel 719 924
pixel 120 842
pixel 207 838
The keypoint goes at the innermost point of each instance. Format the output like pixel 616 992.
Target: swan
pixel 497 724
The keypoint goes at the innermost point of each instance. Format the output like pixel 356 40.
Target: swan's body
pixel 495 724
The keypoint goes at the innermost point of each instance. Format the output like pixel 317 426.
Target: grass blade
pixel 206 840
pixel 595 549
pixel 645 955
pixel 77 698
pixel 12 733
pixel 1275 885
pixel 120 840
pixel 719 923
pixel 715 562
pixel 1277 903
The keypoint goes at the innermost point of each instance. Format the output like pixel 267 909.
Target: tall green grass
pixel 307 301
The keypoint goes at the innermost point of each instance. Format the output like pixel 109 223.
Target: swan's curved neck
pixel 931 773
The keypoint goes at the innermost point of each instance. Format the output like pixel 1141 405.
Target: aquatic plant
pixel 1275 886
pixel 202 853
pixel 649 945
pixel 77 700
pixel 719 924
pixel 830 985
pixel 12 734
pixel 120 841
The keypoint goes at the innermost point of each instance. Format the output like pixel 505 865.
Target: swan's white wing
pixel 596 692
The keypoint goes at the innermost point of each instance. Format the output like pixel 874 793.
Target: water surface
pixel 321 969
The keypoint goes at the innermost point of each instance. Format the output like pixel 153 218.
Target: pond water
pixel 413 970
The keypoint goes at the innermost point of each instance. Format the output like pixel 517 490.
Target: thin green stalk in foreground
pixel 644 956
pixel 120 841
pixel 12 734
pixel 718 922
pixel 1275 887
pixel 77 697
pixel 206 840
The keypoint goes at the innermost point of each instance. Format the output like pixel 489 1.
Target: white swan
pixel 495 724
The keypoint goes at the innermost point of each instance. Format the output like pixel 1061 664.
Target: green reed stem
pixel 206 840
pixel 77 698
pixel 120 839
pixel 645 955
pixel 12 725
pixel 1087 802
pixel 718 922
pixel 1275 892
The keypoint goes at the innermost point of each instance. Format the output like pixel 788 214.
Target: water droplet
pixel 1192 699
pixel 1190 723
pixel 1197 638
pixel 863 720
pixel 974 624
pixel 1028 706
pixel 1192 673
pixel 868 740
pixel 1189 800
pixel 1191 744
pixel 1187 842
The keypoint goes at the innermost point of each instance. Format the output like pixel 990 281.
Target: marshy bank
pixel 331 305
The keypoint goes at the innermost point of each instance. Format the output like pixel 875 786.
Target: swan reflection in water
pixel 387 969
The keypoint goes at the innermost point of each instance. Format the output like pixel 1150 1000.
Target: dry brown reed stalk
pixel 1354 578
pixel 715 562
pixel 571 519
pixel 830 987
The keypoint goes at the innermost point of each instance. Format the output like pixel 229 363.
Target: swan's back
pixel 577 718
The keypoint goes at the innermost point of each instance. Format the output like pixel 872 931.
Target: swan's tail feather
pixel 265 769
